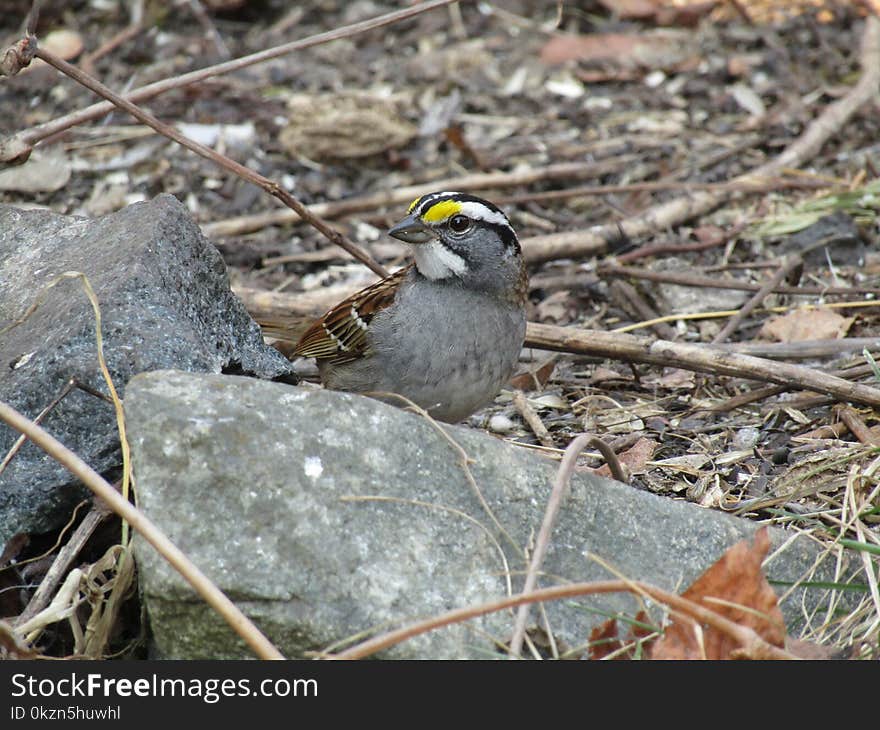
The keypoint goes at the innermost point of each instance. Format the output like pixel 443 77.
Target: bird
pixel 444 331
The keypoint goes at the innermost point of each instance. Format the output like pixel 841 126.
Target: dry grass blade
pixel 560 487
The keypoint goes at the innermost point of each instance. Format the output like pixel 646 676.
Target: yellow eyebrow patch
pixel 441 211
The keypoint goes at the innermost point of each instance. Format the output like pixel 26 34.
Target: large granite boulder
pixel 324 515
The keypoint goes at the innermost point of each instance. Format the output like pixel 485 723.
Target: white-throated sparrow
pixel 445 331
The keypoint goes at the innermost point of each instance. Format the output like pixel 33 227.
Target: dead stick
pixel 673 212
pixel 805 350
pixel 699 358
pixel 672 277
pixel 743 399
pixel 533 420
pixel 402 195
pixel 20 145
pixel 62 562
pixel 759 296
pixel 752 186
pixel 857 426
pixel 755 646
pixel 270 186
pixel 542 542
pixel 629 299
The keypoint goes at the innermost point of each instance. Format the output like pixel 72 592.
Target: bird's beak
pixel 411 230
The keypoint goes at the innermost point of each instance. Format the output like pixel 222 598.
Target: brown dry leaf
pixel 534 378
pixel 606 638
pixel 556 308
pixel 677 378
pixel 634 458
pixel 710 234
pixel 735 588
pixel 686 16
pixel 632 9
pixel 806 324
pixel 663 49
pixel 604 375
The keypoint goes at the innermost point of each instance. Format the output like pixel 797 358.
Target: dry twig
pixel 699 358
pixel 755 301
pixel 754 646
pixel 18 147
pixel 270 186
pixel 674 212
pixel 62 562
pixel 560 487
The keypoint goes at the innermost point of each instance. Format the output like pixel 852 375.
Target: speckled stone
pixel 165 302
pixel 326 514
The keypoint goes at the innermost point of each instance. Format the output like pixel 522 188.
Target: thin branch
pixel 755 301
pixel 62 562
pixel 699 358
pixel 270 186
pixel 710 282
pixel 402 195
pixel 240 623
pixel 754 645
pixel 542 542
pixel 673 212
pixel 23 142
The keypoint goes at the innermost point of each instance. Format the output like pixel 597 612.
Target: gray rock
pixel 165 302
pixel 324 515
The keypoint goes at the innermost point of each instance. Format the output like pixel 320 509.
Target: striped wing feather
pixel 339 336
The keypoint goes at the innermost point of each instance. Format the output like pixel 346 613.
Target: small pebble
pixel 746 438
pixel 500 423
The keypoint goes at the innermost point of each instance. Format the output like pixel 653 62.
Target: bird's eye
pixel 459 223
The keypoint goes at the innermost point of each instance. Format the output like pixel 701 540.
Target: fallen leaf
pixel 42 173
pixel 659 50
pixel 64 43
pixel 556 308
pixel 603 375
pixel 685 16
pixel 734 587
pixel 676 378
pixel 748 99
pixel 710 234
pixel 634 458
pixel 806 324
pixel 632 9
pixel 534 379
pixel 606 638
pixel 687 463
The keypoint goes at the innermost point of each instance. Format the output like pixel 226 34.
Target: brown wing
pixel 341 334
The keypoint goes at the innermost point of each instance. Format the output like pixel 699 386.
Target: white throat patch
pixel 435 261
